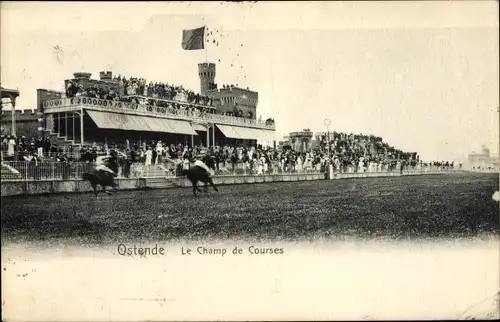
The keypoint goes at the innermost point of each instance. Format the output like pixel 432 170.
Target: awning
pixel 246 133
pixel 180 127
pixel 199 127
pixel 157 125
pixel 229 131
pixel 255 134
pixel 118 121
pixel 129 122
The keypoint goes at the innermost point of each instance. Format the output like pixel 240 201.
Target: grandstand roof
pixel 8 93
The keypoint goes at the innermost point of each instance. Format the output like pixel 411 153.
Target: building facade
pixel 229 99
pixel 483 160
pixel 26 123
pixel 81 120
pixel 301 141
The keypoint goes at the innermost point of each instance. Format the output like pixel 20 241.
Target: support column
pixel 208 136
pixel 58 124
pixel 73 133
pixel 81 127
pixel 192 141
pixel 49 122
pixel 66 125
pixel 213 134
pixel 13 116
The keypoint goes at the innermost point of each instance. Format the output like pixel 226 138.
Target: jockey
pixel 202 164
pixel 107 163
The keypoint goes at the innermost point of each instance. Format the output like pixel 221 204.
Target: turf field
pixel 442 206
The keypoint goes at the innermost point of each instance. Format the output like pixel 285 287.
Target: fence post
pixel 53 171
pixel 25 170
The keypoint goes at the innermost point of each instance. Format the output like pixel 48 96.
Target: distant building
pixel 26 123
pixel 299 141
pixel 483 160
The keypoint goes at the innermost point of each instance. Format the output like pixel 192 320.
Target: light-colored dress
pixel 159 153
pixel 260 169
pixel 299 163
pixel 149 157
pixel 10 149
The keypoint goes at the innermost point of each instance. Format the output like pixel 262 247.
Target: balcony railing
pixel 185 112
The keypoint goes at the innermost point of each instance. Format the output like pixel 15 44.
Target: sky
pixel 424 76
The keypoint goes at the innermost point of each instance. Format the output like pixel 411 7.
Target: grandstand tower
pixel 206 71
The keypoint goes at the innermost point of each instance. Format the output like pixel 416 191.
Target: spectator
pixel 11 143
pixel 149 156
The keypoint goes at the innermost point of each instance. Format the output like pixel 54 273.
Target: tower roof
pixel 8 93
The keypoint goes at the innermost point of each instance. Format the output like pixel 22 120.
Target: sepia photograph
pixel 274 160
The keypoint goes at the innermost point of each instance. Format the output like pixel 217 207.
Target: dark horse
pixel 195 174
pixel 102 178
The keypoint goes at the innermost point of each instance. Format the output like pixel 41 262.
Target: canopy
pixel 246 133
pixel 106 120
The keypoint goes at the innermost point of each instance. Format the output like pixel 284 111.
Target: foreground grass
pixel 433 206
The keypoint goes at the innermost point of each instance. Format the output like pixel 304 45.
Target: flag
pixel 193 39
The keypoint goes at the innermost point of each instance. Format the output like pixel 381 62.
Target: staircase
pixel 9 173
pixel 148 172
pixel 154 171
pixel 156 183
pixel 155 175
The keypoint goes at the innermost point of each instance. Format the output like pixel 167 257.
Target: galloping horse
pixel 103 178
pixel 196 173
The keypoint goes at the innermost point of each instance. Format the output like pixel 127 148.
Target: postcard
pixel 186 161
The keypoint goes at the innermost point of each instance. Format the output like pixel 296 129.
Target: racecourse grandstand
pixel 115 107
pixel 162 126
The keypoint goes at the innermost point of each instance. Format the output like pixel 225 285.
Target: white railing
pixel 23 170
pixel 133 108
pixel 47 170
pixel 381 168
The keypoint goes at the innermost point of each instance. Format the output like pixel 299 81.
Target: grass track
pixel 435 206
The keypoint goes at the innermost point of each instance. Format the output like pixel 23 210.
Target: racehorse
pixel 102 178
pixel 195 174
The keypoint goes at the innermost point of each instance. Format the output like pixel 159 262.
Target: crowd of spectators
pixel 355 151
pixel 345 152
pixel 18 149
pixel 37 150
pixel 358 151
pixel 156 94
pixel 124 87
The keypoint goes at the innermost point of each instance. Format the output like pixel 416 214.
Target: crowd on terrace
pixel 139 91
pixel 346 152
pixel 136 87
